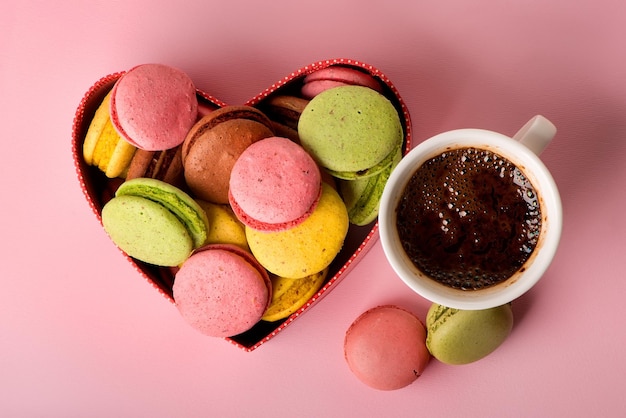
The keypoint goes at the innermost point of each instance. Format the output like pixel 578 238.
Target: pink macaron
pixel 153 106
pixel 335 76
pixel 385 347
pixel 274 185
pixel 221 290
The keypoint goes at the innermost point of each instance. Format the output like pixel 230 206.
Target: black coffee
pixel 469 218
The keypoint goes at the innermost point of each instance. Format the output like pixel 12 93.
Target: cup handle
pixel 536 134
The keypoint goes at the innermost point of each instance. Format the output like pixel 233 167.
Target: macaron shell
pixel 120 159
pixel 289 295
pixel 313 88
pixel 308 247
pixel 374 170
pixel 163 165
pixel 385 348
pixel 153 106
pixel 96 126
pixel 178 202
pixel 284 112
pixel 103 147
pixel 219 293
pixel 350 129
pixel 285 109
pixel 224 227
pixel 462 336
pixel 246 255
pixel 146 230
pixel 274 181
pixel 335 76
pixel 214 144
pixel 362 195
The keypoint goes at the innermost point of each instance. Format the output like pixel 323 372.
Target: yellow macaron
pixel 307 248
pixel 224 227
pixel 103 147
pixel 289 295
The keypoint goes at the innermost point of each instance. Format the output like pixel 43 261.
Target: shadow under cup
pixel 533 268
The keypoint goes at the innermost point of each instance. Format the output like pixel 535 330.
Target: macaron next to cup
pixel 384 344
pixel 385 347
pixel 362 195
pixel 354 133
pixel 457 336
pixel 351 131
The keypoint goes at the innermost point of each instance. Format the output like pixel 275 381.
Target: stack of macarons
pixel 263 192
pixel 354 132
pixel 274 185
pixel 214 143
pixel 295 223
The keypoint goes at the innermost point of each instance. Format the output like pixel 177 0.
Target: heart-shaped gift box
pixel 98 189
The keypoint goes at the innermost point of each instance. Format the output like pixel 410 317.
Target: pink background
pixel 84 335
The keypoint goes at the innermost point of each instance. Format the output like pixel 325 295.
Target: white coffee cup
pixel 522 150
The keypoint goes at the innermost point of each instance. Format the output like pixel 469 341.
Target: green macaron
pixel 362 195
pixel 351 131
pixel 458 336
pixel 154 222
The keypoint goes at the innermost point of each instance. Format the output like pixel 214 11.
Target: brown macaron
pixel 284 111
pixel 163 165
pixel 213 145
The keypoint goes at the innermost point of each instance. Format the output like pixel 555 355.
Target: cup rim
pixel 535 267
